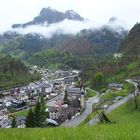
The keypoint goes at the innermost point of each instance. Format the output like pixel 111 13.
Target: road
pixel 88 110
pixel 52 102
pixel 95 120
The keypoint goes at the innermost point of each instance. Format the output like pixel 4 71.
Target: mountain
pixel 131 45
pixel 72 49
pixel 98 42
pixel 49 16
pixel 126 67
pixel 80 51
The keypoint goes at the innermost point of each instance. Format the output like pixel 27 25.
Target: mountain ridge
pixel 50 16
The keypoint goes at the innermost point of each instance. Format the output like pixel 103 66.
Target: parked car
pixel 116 99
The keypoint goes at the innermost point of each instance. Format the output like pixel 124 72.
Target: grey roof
pixel 1 113
pixel 115 85
pixel 48 85
pixel 69 110
pixel 20 120
pixel 73 90
pixel 52 109
pixel 38 83
pixel 52 121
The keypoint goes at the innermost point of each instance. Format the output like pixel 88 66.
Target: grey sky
pixel 19 11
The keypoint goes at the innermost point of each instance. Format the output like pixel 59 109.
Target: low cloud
pixel 64 27
pixel 69 27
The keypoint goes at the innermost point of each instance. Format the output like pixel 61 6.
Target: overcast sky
pixel 19 11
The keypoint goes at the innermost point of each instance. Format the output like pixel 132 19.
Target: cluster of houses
pixel 20 99
pixel 71 107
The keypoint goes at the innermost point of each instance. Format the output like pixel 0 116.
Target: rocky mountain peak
pixel 51 16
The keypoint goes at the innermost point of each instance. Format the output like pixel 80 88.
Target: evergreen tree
pixel 43 112
pixel 37 118
pixel 66 98
pixel 37 115
pixel 30 119
pixel 14 123
pixel 98 80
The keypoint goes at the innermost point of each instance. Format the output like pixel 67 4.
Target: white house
pixel 3 115
pixel 22 97
pixel 7 104
pixel 53 113
pixel 47 88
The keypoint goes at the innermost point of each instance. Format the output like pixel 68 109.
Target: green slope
pixel 126 128
pixel 14 73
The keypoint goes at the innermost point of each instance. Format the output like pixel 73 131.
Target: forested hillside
pixel 14 73
pixel 131 45
pixel 76 51
pixel 112 69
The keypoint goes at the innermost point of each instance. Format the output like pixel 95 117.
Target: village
pixel 57 87
pixel 65 97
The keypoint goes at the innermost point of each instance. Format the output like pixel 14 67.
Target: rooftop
pixel 73 90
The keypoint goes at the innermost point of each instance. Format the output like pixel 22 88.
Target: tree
pixel 98 80
pixel 136 94
pixel 37 118
pixel 30 119
pixel 14 124
pixel 103 117
pixel 43 113
pixel 66 98
pixel 37 115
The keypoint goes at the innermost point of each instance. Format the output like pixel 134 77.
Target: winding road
pixel 95 120
pixel 88 110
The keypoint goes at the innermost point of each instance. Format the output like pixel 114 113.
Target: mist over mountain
pixel 62 33
pixel 49 16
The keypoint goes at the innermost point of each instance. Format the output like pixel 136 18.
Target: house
pixel 53 113
pixel 114 86
pixel 118 55
pixel 22 97
pixel 20 121
pixel 5 124
pixel 8 104
pixel 47 88
pixel 3 115
pixel 68 113
pixel 34 86
pixel 68 80
pixel 3 108
pixel 74 94
pixel 7 101
pixel 62 114
pixel 34 89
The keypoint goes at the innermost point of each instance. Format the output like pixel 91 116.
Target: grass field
pixel 90 93
pixel 101 132
pixel 21 113
pixel 126 114
pixel 89 117
pixel 126 128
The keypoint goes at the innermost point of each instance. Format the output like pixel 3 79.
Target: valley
pixel 62 77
